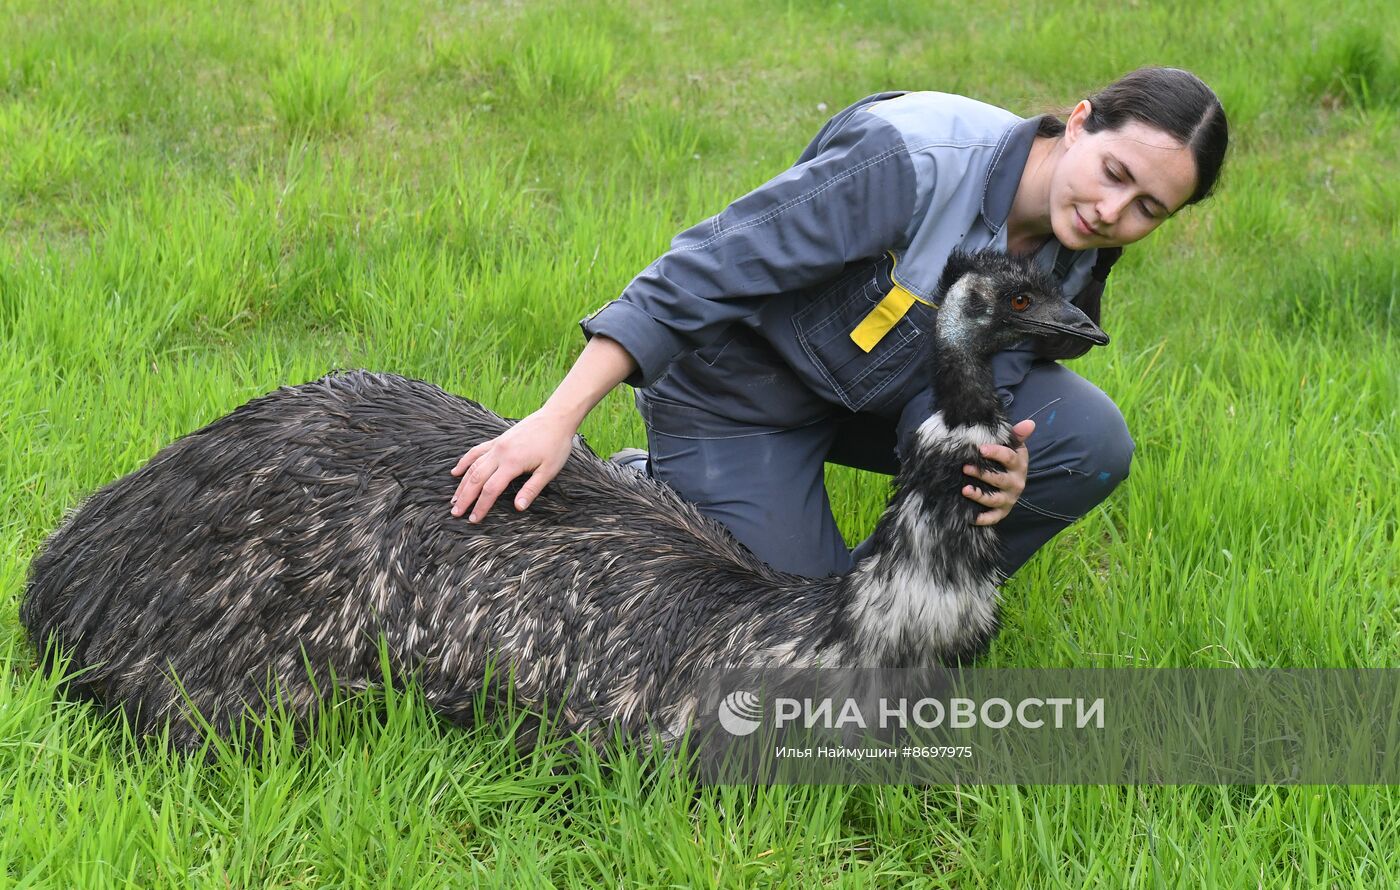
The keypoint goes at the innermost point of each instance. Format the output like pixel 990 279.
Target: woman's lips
pixel 1084 228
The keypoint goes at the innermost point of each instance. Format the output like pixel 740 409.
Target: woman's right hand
pixel 539 444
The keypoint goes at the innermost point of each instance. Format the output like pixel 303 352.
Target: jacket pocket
pixel 864 379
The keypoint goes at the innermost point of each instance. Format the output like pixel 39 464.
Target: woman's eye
pixel 1146 210
pixel 1111 175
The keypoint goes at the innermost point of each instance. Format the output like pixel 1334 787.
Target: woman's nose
pixel 1111 207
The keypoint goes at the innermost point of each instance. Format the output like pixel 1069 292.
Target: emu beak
pixel 1051 317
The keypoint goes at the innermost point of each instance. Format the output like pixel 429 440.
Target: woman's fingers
pixel 1007 457
pixel 994 498
pixel 470 457
pixel 1022 431
pixel 1012 480
pixel 490 491
pixel 533 486
pixel 1007 483
pixel 998 504
pixel 488 477
pixel 473 481
pixel 537 446
pixel 991 517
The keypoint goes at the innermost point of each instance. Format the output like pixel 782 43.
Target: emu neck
pixel 964 388
pixel 926 592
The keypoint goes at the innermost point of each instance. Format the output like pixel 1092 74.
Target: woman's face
pixel 1114 187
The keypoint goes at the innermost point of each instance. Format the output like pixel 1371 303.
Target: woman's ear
pixel 1077 118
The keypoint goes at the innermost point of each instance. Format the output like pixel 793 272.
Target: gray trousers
pixel 766 483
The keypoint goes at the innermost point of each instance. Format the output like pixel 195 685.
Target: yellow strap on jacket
pixel 886 314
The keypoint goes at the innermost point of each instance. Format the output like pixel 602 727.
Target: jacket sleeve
pixel 850 196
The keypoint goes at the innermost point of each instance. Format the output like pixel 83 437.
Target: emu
pixel 272 553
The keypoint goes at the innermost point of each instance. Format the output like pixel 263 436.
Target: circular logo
pixel 740 713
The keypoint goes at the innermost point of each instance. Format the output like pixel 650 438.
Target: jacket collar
pixel 1004 175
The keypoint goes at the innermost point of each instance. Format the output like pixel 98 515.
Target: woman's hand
pixel 1009 484
pixel 539 444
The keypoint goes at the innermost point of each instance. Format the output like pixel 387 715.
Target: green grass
pixel 199 202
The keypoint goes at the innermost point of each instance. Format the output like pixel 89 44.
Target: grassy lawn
pixel 200 202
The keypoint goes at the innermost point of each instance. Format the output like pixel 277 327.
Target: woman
pixel 783 332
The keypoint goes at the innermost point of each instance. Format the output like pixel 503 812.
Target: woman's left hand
pixel 1009 484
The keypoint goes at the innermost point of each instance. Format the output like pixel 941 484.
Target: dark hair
pixel 1174 101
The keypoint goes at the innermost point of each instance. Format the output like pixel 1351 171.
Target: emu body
pixel 295 533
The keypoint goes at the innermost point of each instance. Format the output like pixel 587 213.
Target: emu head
pixel 991 301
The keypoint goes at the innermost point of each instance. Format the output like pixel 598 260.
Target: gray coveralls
pixel 785 332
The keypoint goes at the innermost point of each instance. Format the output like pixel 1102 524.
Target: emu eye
pixel 1020 302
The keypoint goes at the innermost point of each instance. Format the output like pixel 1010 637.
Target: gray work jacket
pixel 815 291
